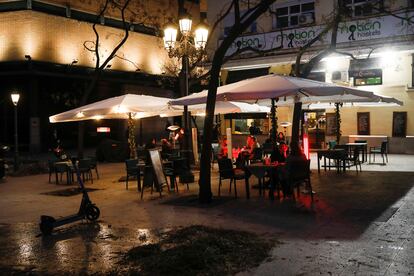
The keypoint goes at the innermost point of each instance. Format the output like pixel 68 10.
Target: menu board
pixel 160 178
pixel 331 124
pixel 363 123
pixel 399 124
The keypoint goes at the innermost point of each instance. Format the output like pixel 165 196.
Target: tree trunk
pixel 205 195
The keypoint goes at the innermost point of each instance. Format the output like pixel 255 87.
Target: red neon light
pixel 306 145
pixel 103 129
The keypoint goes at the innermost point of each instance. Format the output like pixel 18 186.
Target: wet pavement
pixel 359 224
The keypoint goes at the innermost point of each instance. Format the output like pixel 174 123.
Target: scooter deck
pixel 68 219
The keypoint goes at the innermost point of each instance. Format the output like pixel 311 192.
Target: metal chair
pixel 51 166
pixel 94 165
pixel 354 159
pixel 226 171
pixel 296 173
pixel 132 170
pixel 61 168
pixel 179 167
pixel 383 150
pixel 84 166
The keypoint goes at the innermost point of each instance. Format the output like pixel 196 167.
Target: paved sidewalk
pixel 359 223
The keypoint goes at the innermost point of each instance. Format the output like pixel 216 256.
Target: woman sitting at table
pixel 223 149
pixel 247 152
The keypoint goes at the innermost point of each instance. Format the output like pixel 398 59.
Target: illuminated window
pixel 294 14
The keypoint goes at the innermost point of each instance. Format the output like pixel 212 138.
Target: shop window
pixel 294 14
pixel 363 7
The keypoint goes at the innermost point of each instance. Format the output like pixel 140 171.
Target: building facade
pixel 44 56
pixel 375 53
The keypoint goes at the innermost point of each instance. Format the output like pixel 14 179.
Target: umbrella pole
pixel 274 124
pixel 141 142
pixel 338 122
pixel 131 137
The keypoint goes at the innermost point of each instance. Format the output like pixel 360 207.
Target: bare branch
pixel 101 13
pixel 331 25
pixel 343 53
pixel 221 18
pixel 91 47
pixel 124 39
pixel 128 60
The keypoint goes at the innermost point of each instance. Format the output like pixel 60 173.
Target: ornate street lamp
pixel 183 46
pixel 15 99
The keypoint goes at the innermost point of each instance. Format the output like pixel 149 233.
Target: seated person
pixel 248 151
pixel 166 147
pixel 223 149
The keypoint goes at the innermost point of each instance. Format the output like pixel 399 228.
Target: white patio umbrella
pixel 287 89
pixel 127 106
pixel 220 108
pixel 383 102
pixel 142 106
pixel 120 107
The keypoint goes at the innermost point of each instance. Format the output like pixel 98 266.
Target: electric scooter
pixel 87 210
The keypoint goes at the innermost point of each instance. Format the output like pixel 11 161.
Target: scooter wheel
pixel 92 212
pixel 46 225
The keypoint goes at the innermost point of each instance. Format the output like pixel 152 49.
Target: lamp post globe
pixel 200 36
pixel 15 100
pixel 170 36
pixel 185 23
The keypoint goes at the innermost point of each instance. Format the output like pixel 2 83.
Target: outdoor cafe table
pixel 363 146
pixel 259 170
pixel 338 155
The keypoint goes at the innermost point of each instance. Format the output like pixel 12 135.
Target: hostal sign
pixel 371 28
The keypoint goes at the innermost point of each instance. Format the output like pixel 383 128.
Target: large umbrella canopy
pixel 287 89
pixel 220 108
pixel 382 102
pixel 142 106
pixel 121 107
